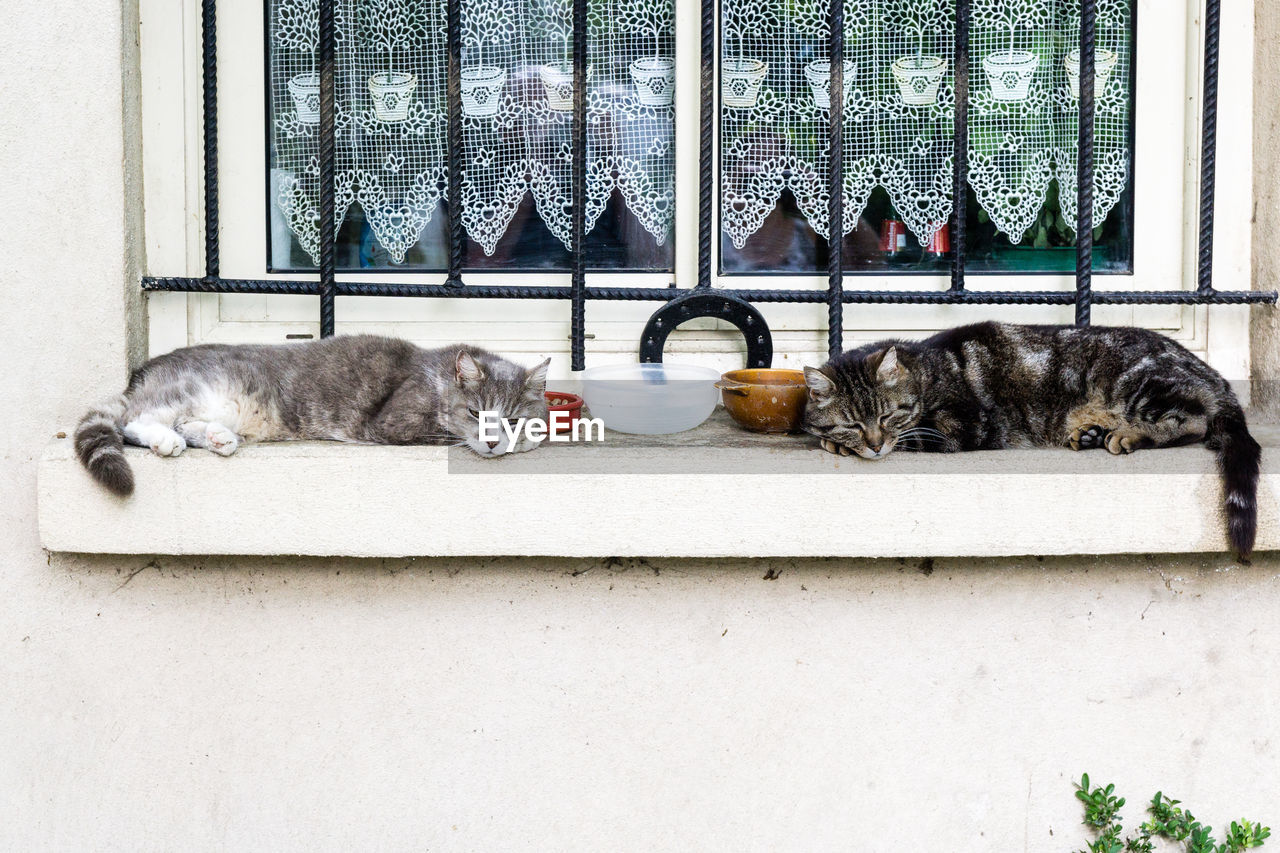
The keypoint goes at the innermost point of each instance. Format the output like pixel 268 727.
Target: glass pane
pixel 898 132
pixel 517 96
pixel 880 244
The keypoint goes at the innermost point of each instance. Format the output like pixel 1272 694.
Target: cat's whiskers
pixel 922 432
pixel 920 428
pixel 923 435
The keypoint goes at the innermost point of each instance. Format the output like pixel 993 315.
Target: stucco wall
pixel 484 705
pixel 1266 207
pixel 647 706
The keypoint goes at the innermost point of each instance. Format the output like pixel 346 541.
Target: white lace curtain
pixel 899 109
pixel 517 92
pixel 517 100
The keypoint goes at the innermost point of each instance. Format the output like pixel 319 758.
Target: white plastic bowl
pixel 650 399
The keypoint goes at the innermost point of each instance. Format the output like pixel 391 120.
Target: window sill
pixel 712 492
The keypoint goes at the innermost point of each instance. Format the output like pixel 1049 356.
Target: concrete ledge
pixel 715 491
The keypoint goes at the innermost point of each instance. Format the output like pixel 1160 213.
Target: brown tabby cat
pixel 357 388
pixel 993 385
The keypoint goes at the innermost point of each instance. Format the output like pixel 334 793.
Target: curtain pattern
pixel 899 109
pixel 517 102
pixel 517 98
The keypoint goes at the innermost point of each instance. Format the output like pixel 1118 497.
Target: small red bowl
pixel 563 401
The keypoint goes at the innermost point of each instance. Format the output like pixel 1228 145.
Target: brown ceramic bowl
pixel 764 400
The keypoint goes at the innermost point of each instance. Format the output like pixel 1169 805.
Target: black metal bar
pixel 209 79
pixel 1084 165
pixel 1208 146
pixel 960 154
pixel 172 284
pixel 661 294
pixel 835 184
pixel 577 310
pixel 453 140
pixel 328 153
pixel 707 122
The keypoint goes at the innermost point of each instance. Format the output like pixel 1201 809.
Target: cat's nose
pixel 875 448
pixel 492 444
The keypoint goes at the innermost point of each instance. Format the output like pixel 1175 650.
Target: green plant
pixel 1168 821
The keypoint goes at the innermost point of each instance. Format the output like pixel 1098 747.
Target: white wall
pixel 485 705
pixel 1265 333
pixel 491 706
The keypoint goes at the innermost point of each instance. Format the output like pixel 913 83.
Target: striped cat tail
pixel 100 446
pixel 1239 460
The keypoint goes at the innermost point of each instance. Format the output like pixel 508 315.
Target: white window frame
pixel 1166 220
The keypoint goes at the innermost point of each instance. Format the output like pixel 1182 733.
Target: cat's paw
pixel 1120 442
pixel 1087 437
pixel 167 443
pixel 221 440
pixel 833 447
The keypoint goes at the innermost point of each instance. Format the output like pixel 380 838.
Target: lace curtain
pixel 899 109
pixel 517 101
pixel 517 91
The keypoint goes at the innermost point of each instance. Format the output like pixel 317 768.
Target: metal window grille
pixel 704 300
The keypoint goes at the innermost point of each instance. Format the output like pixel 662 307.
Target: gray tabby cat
pixel 356 388
pixel 994 385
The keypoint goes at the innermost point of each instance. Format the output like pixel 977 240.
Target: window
pixel 517 101
pixel 899 122
pixel 1148 234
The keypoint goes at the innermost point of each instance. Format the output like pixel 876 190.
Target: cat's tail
pixel 100 446
pixel 1239 460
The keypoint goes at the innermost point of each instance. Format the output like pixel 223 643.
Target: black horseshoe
pixel 709 303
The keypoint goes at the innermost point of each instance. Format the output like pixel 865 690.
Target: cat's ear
pixel 467 370
pixel 890 372
pixel 820 385
pixel 536 377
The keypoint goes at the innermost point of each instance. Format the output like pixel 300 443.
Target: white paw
pixel 221 440
pixel 167 444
